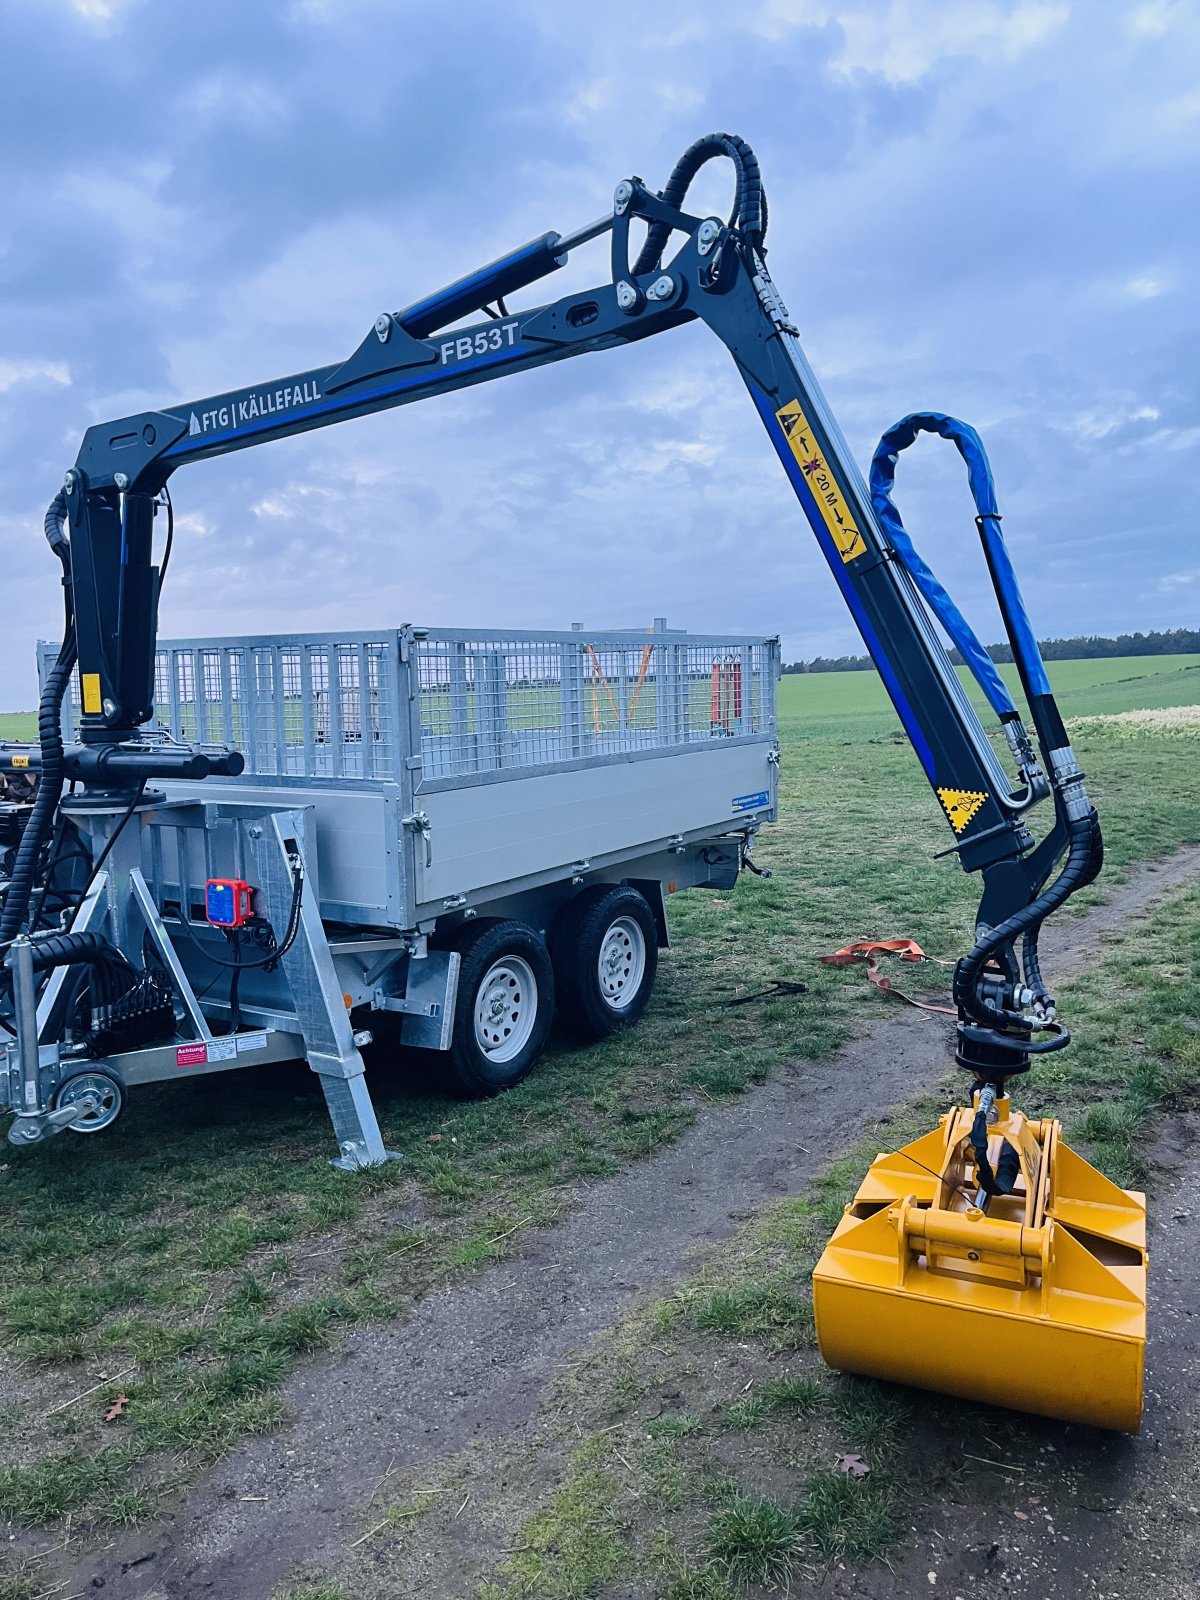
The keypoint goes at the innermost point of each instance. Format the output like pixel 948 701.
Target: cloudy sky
pixel 987 207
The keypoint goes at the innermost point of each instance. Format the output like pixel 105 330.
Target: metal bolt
pixel 69 481
pixel 383 326
pixel 662 288
pixel 707 235
pixel 120 479
pixel 627 296
pixel 110 708
pixel 622 196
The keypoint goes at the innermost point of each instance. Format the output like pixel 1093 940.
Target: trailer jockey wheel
pixel 99 1095
pixel 504 1007
pixel 605 949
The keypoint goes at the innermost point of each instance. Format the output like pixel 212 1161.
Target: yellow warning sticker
pixel 20 761
pixel 961 805
pixel 836 514
pixel 90 683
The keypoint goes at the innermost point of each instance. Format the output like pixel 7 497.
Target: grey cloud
pixel 201 196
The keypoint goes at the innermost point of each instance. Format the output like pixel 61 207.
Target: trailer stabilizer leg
pixel 1034 1298
pixel 355 1125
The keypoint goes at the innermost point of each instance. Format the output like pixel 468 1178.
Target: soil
pixel 470 1368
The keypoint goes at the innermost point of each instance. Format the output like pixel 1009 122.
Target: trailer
pixel 463 832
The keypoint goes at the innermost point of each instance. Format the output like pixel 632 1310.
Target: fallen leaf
pixel 115 1410
pixel 854 1465
pixel 1024 1515
pixel 434 1138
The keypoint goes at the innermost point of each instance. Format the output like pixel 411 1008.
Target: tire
pixel 108 1093
pixel 503 1010
pixel 605 960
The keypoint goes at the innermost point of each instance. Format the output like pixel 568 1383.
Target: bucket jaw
pixel 1033 1298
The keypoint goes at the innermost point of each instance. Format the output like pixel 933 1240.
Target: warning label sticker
pixel 961 805
pixel 191 1055
pixel 822 485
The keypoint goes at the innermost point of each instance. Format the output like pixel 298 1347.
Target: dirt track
pixel 471 1365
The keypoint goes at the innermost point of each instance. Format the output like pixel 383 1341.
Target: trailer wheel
pixel 100 1096
pixel 504 1008
pixel 605 960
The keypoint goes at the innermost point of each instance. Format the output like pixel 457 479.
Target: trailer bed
pixel 450 768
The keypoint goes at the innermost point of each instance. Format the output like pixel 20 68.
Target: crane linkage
pixel 717 275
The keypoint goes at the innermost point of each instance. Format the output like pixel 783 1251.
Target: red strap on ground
pixel 867 952
pixel 866 949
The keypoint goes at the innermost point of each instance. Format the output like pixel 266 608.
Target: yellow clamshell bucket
pixel 1034 1299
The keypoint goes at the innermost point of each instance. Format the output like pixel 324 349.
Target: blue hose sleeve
pixel 979 473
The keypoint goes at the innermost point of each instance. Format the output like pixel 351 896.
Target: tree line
pixel 1083 647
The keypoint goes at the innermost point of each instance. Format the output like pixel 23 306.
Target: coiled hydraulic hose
pixel 66 949
pixel 1085 857
pixel 749 212
pixel 50 788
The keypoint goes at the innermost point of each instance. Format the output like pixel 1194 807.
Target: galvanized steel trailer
pixel 466 822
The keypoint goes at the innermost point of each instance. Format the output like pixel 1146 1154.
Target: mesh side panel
pixel 330 708
pixel 497 703
pixel 295 708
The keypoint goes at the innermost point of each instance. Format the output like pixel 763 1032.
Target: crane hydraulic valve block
pixel 1033 1299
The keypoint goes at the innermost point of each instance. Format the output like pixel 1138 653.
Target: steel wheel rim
pixel 621 965
pixel 108 1094
pixel 506 1004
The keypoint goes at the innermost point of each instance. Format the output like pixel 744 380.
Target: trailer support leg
pixel 353 1116
pixel 276 842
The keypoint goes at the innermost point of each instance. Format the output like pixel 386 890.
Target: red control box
pixel 228 902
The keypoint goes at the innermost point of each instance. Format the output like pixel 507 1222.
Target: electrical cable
pixel 235 1013
pixel 166 560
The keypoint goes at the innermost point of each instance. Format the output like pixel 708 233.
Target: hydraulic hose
pixel 1030 961
pixel 65 949
pixel 50 787
pixel 749 212
pixel 1085 856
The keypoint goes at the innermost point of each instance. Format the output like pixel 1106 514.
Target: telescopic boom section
pixel 718 276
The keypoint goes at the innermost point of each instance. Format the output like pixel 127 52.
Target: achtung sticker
pixel 834 511
pixel 90 683
pixel 961 805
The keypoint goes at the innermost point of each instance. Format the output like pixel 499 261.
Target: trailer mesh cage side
pixel 468 704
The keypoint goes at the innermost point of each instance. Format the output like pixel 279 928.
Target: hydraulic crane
pixel 986 1259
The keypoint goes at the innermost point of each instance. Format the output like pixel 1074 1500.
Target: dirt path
pixel 471 1364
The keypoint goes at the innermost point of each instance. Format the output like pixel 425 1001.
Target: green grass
pixel 1083 688
pixel 755 1540
pixel 20 725
pixel 206 1245
pixel 573 1546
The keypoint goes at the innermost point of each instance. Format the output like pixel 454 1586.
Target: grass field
pixel 189 1258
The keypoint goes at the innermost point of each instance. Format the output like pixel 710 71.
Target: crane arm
pixel 718 276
